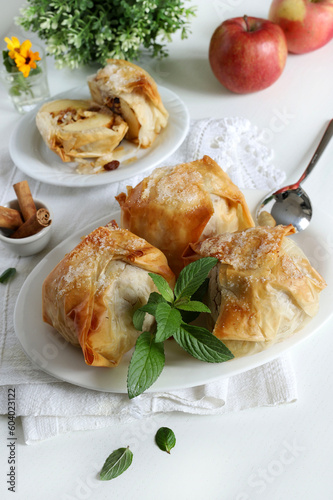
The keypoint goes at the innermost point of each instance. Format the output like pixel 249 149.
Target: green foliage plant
pixel 79 32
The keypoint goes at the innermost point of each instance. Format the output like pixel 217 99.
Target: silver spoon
pixel 290 204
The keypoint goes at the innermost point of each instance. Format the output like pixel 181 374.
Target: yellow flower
pixel 13 46
pixel 25 59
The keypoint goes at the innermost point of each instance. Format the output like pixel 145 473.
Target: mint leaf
pixel 146 364
pixel 116 464
pixel 155 298
pixel 138 319
pixel 189 316
pixel 139 315
pixel 6 275
pixel 193 305
pixel 202 344
pixel 168 320
pixel 162 286
pixel 165 439
pixel 202 290
pixel 192 276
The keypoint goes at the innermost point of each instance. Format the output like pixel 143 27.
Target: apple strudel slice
pixel 131 92
pixel 74 128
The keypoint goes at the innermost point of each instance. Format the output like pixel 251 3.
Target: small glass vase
pixel 26 92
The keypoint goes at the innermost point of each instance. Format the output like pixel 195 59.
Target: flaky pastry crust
pixel 178 205
pixel 263 289
pixel 91 295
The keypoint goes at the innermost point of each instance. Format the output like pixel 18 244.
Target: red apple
pixel 308 24
pixel 247 54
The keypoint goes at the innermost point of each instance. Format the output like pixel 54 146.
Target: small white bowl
pixel 31 244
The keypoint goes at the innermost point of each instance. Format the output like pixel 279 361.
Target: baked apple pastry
pixel 79 128
pixel 179 205
pixel 131 92
pixel 91 295
pixel 262 290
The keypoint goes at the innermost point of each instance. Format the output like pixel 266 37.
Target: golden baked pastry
pixel 130 91
pixel 178 205
pixel 263 288
pixel 79 128
pixel 91 295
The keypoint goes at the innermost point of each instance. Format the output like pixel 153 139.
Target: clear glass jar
pixel 26 92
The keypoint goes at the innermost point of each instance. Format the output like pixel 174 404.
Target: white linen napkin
pixel 49 407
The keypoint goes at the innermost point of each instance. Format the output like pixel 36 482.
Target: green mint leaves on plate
pixel 173 311
pixel 116 464
pixel 6 275
pixel 165 439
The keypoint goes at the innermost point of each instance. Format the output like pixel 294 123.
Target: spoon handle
pixel 317 154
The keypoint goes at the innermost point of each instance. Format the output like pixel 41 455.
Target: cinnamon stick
pixel 24 197
pixel 10 218
pixel 36 223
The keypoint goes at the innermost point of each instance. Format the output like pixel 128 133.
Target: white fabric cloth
pixel 49 407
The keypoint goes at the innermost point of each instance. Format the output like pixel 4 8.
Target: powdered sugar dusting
pixel 174 185
pixel 180 185
pixel 244 249
pixel 117 77
pixel 96 249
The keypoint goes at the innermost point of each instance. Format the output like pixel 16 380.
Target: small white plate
pixel 31 155
pixel 45 347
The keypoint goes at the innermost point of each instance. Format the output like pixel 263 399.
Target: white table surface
pixel 239 456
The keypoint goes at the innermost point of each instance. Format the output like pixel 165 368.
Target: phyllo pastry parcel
pixel 91 295
pixel 262 290
pixel 131 92
pixel 74 128
pixel 179 205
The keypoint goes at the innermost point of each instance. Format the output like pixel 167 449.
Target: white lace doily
pixel 237 146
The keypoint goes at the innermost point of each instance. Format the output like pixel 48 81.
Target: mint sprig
pixel 173 311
